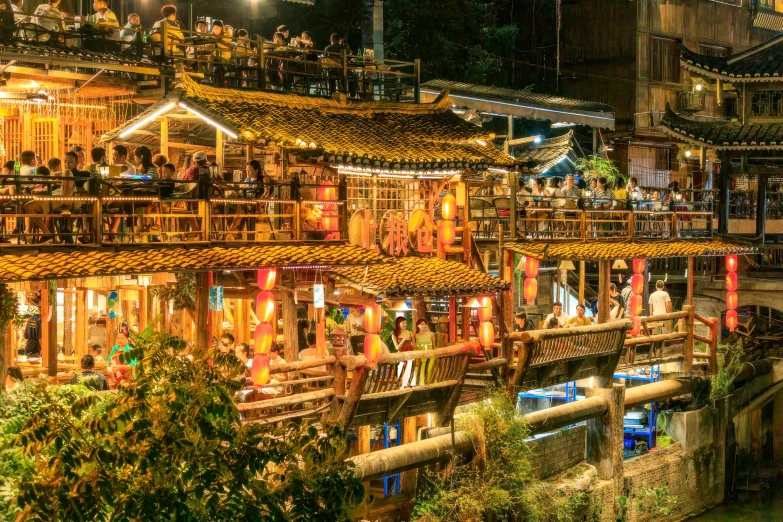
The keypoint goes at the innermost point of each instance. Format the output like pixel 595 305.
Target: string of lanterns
pixel 486 327
pixel 265 333
pixel 530 289
pixel 635 303
pixel 732 300
pixel 327 192
pixel 447 229
pixel 372 323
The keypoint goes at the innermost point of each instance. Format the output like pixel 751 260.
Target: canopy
pixel 596 251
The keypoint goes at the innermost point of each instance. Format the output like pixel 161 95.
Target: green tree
pixel 172 446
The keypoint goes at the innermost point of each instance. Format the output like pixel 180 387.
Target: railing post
pixel 163 35
pixel 342 196
pixel 583 225
pixel 713 345
pixel 339 382
pixel 687 360
pixel 297 207
pixel 631 225
pixel 261 63
pixel 344 69
pixel 417 79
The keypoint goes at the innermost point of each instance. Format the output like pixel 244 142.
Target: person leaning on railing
pixel 173 32
pixel 253 188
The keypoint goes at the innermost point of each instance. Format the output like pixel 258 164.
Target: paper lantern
pixel 639 265
pixel 372 318
pixel 264 336
pixel 485 314
pixel 637 284
pixel 266 278
pixel 259 371
pixel 732 299
pixel 372 347
pixel 448 208
pixel 531 266
pixel 636 329
pixel 265 306
pixel 327 192
pixel 635 305
pixel 731 263
pixel 486 334
pixel 447 232
pixel 530 290
pixel 330 223
pixel 731 320
pixel 731 281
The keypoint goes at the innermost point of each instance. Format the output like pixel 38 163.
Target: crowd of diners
pixel 49 217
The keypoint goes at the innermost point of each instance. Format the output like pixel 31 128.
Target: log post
pixel 408 481
pixel 604 278
pixel 581 282
pixel 465 320
pixel 80 345
pixel 605 435
pixel 452 320
pixel 49 331
pixel 320 333
pixel 339 382
pixel 202 311
pixel 689 279
pixel 713 345
pixel 290 330
pixel 687 361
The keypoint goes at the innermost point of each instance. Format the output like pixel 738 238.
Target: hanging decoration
pixel 327 195
pixel 530 286
pixel 259 371
pixel 732 300
pixel 215 298
pixel 486 327
pixel 372 347
pixel 635 303
pixel 447 228
pixel 372 318
pixel 265 311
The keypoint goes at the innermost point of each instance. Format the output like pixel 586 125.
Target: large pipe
pixel 658 391
pixel 377 464
pixel 558 417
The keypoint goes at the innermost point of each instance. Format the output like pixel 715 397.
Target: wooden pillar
pixel 363 436
pixel 761 205
pixel 512 185
pixel 687 361
pixel 290 330
pixel 689 279
pixel 68 322
pixel 202 311
pixel 724 183
pixel 49 331
pixel 320 333
pixel 408 482
pixel 164 136
pixel 582 282
pixel 605 435
pixel 465 320
pixel 144 312
pixel 452 320
pixel 249 152
pixel 604 278
pixel 80 346
pixel 6 345
pixel 219 149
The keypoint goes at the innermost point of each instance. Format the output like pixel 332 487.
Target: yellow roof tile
pixel 593 251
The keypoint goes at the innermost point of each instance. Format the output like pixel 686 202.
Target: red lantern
pixel 731 320
pixel 731 263
pixel 635 305
pixel 259 371
pixel 372 318
pixel 327 192
pixel 485 314
pixel 447 232
pixel 266 278
pixel 531 266
pixel 637 284
pixel 639 265
pixel 372 347
pixel 731 281
pixel 486 334
pixel 636 329
pixel 330 223
pixel 265 306
pixel 530 290
pixel 732 300
pixel 448 207
pixel 264 336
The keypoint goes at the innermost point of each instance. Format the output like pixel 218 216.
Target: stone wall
pixel 559 451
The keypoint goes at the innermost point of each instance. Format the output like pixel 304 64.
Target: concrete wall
pixel 558 451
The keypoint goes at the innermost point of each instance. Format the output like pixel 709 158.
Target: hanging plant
pixel 9 308
pixel 597 166
pixel 182 292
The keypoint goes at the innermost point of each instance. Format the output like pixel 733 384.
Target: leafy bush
pixel 597 166
pixel 170 446
pixel 729 365
pixel 655 501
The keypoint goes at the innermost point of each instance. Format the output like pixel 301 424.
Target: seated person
pixel 166 191
pixel 89 377
pixel 311 353
pixel 580 319
pixel 275 360
pixel 552 324
pixel 95 351
pixel 13 378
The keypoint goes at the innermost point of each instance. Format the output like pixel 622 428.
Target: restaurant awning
pixel 58 265
pixel 522 104
pixel 336 130
pixel 596 251
pixel 420 276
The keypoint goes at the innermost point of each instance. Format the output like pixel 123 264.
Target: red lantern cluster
pixel 327 192
pixel 447 229
pixel 265 311
pixel 259 372
pixel 372 323
pixel 636 303
pixel 732 300
pixel 486 327
pixel 530 289
pixel 372 347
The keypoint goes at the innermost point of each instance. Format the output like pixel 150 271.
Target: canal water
pixel 753 510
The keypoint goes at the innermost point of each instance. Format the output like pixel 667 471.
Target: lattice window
pixel 45 138
pixel 665 60
pixel 12 137
pixel 384 194
pixel 767 103
pixel 74 133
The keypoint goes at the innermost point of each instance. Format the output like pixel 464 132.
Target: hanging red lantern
pixel 637 284
pixel 731 263
pixel 447 232
pixel 259 371
pixel 485 314
pixel 639 265
pixel 327 192
pixel 266 278
pixel 372 318
pixel 265 306
pixel 635 305
pixel 636 329
pixel 448 208
pixel 530 290
pixel 372 347
pixel 330 223
pixel 732 320
pixel 264 336
pixel 732 300
pixel 731 281
pixel 486 334
pixel 531 266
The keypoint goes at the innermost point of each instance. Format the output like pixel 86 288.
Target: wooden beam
pixel 604 278
pixel 164 136
pixel 220 152
pixel 202 311
pixel 690 278
pixel 408 480
pixel 290 329
pixel 581 282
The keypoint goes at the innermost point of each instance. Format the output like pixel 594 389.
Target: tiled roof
pixel 594 251
pixel 541 157
pixel 340 128
pixel 761 63
pixel 55 265
pixel 421 276
pixel 723 135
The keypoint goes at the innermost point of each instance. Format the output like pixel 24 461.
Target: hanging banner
pixel 215 298
pixel 318 296
pixel 112 303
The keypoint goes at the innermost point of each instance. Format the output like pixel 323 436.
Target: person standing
pixel 559 314
pixel 617 303
pixel 626 293
pixel 522 323
pixel 401 338
pixel 660 302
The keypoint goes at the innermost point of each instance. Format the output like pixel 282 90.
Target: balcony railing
pixel 52 210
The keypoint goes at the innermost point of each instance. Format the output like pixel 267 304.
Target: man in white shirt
pixel 47 15
pixel 19 14
pixel 119 157
pixel 557 312
pixel 660 302
pixel 105 18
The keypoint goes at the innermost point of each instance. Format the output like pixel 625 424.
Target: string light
pixel 208 120
pixel 136 126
